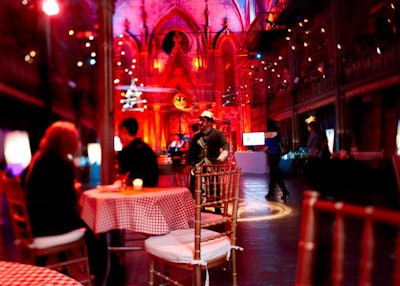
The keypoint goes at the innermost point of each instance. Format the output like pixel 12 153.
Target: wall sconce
pixel 94 153
pixel 17 151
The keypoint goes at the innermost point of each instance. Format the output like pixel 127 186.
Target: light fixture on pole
pixel 50 7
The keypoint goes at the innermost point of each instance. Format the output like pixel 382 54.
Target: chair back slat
pixel 372 218
pixel 338 250
pixel 396 276
pixel 396 167
pixel 367 248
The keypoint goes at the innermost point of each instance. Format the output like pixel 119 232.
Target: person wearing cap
pixel 318 154
pixel 206 145
pixel 317 142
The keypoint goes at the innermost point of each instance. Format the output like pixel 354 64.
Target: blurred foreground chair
pixel 396 167
pixel 196 249
pixel 70 247
pixel 2 173
pixel 345 244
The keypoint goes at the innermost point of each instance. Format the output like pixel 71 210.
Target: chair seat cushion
pixel 42 242
pixel 178 246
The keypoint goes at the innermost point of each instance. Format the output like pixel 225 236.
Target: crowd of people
pixel 52 191
pixel 56 211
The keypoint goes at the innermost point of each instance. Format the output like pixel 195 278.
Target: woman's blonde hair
pixel 60 137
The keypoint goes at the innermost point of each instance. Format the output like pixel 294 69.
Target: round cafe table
pixel 151 211
pixel 17 274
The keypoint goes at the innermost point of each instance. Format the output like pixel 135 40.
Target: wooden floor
pixel 268 232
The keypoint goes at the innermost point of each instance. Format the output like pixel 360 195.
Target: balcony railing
pixel 281 101
pixel 372 63
pixel 20 75
pixel 311 89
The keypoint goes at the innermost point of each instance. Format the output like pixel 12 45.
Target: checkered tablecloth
pixel 16 274
pixel 152 211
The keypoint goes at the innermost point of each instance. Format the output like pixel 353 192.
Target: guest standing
pixel 317 142
pixel 136 159
pixel 272 138
pixel 318 156
pixel 49 181
pixel 209 146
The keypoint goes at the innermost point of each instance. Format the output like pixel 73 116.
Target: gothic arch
pixel 166 59
pixel 227 50
pixel 177 19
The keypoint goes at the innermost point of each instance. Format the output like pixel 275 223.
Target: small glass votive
pixel 137 184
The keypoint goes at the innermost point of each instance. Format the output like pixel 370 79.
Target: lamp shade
pixel 17 151
pixel 117 144
pixel 94 153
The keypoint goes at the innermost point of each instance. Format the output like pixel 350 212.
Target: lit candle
pixel 137 184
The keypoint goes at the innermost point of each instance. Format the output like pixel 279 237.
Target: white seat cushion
pixel 42 242
pixel 178 246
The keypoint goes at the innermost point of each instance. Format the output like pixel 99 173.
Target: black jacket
pixel 139 161
pixel 216 141
pixel 51 196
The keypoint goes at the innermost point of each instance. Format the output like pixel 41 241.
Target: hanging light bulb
pixel 50 7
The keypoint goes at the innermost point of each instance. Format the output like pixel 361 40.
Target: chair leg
pixel 233 266
pixel 197 275
pixel 87 266
pixel 108 259
pixel 151 272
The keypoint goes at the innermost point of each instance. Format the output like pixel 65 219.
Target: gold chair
pixel 1 197
pixel 199 248
pixel 71 246
pixel 327 244
pixel 396 167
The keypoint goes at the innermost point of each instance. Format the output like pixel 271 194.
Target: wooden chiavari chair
pixel 199 248
pixel 71 246
pixel 343 220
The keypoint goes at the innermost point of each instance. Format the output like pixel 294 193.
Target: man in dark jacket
pixel 136 159
pixel 206 145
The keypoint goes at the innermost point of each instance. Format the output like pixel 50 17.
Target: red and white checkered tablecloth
pixel 17 274
pixel 152 211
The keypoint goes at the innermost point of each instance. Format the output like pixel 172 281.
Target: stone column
pixel 105 108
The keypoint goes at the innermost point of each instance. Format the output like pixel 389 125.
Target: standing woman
pixel 49 182
pixel 272 138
